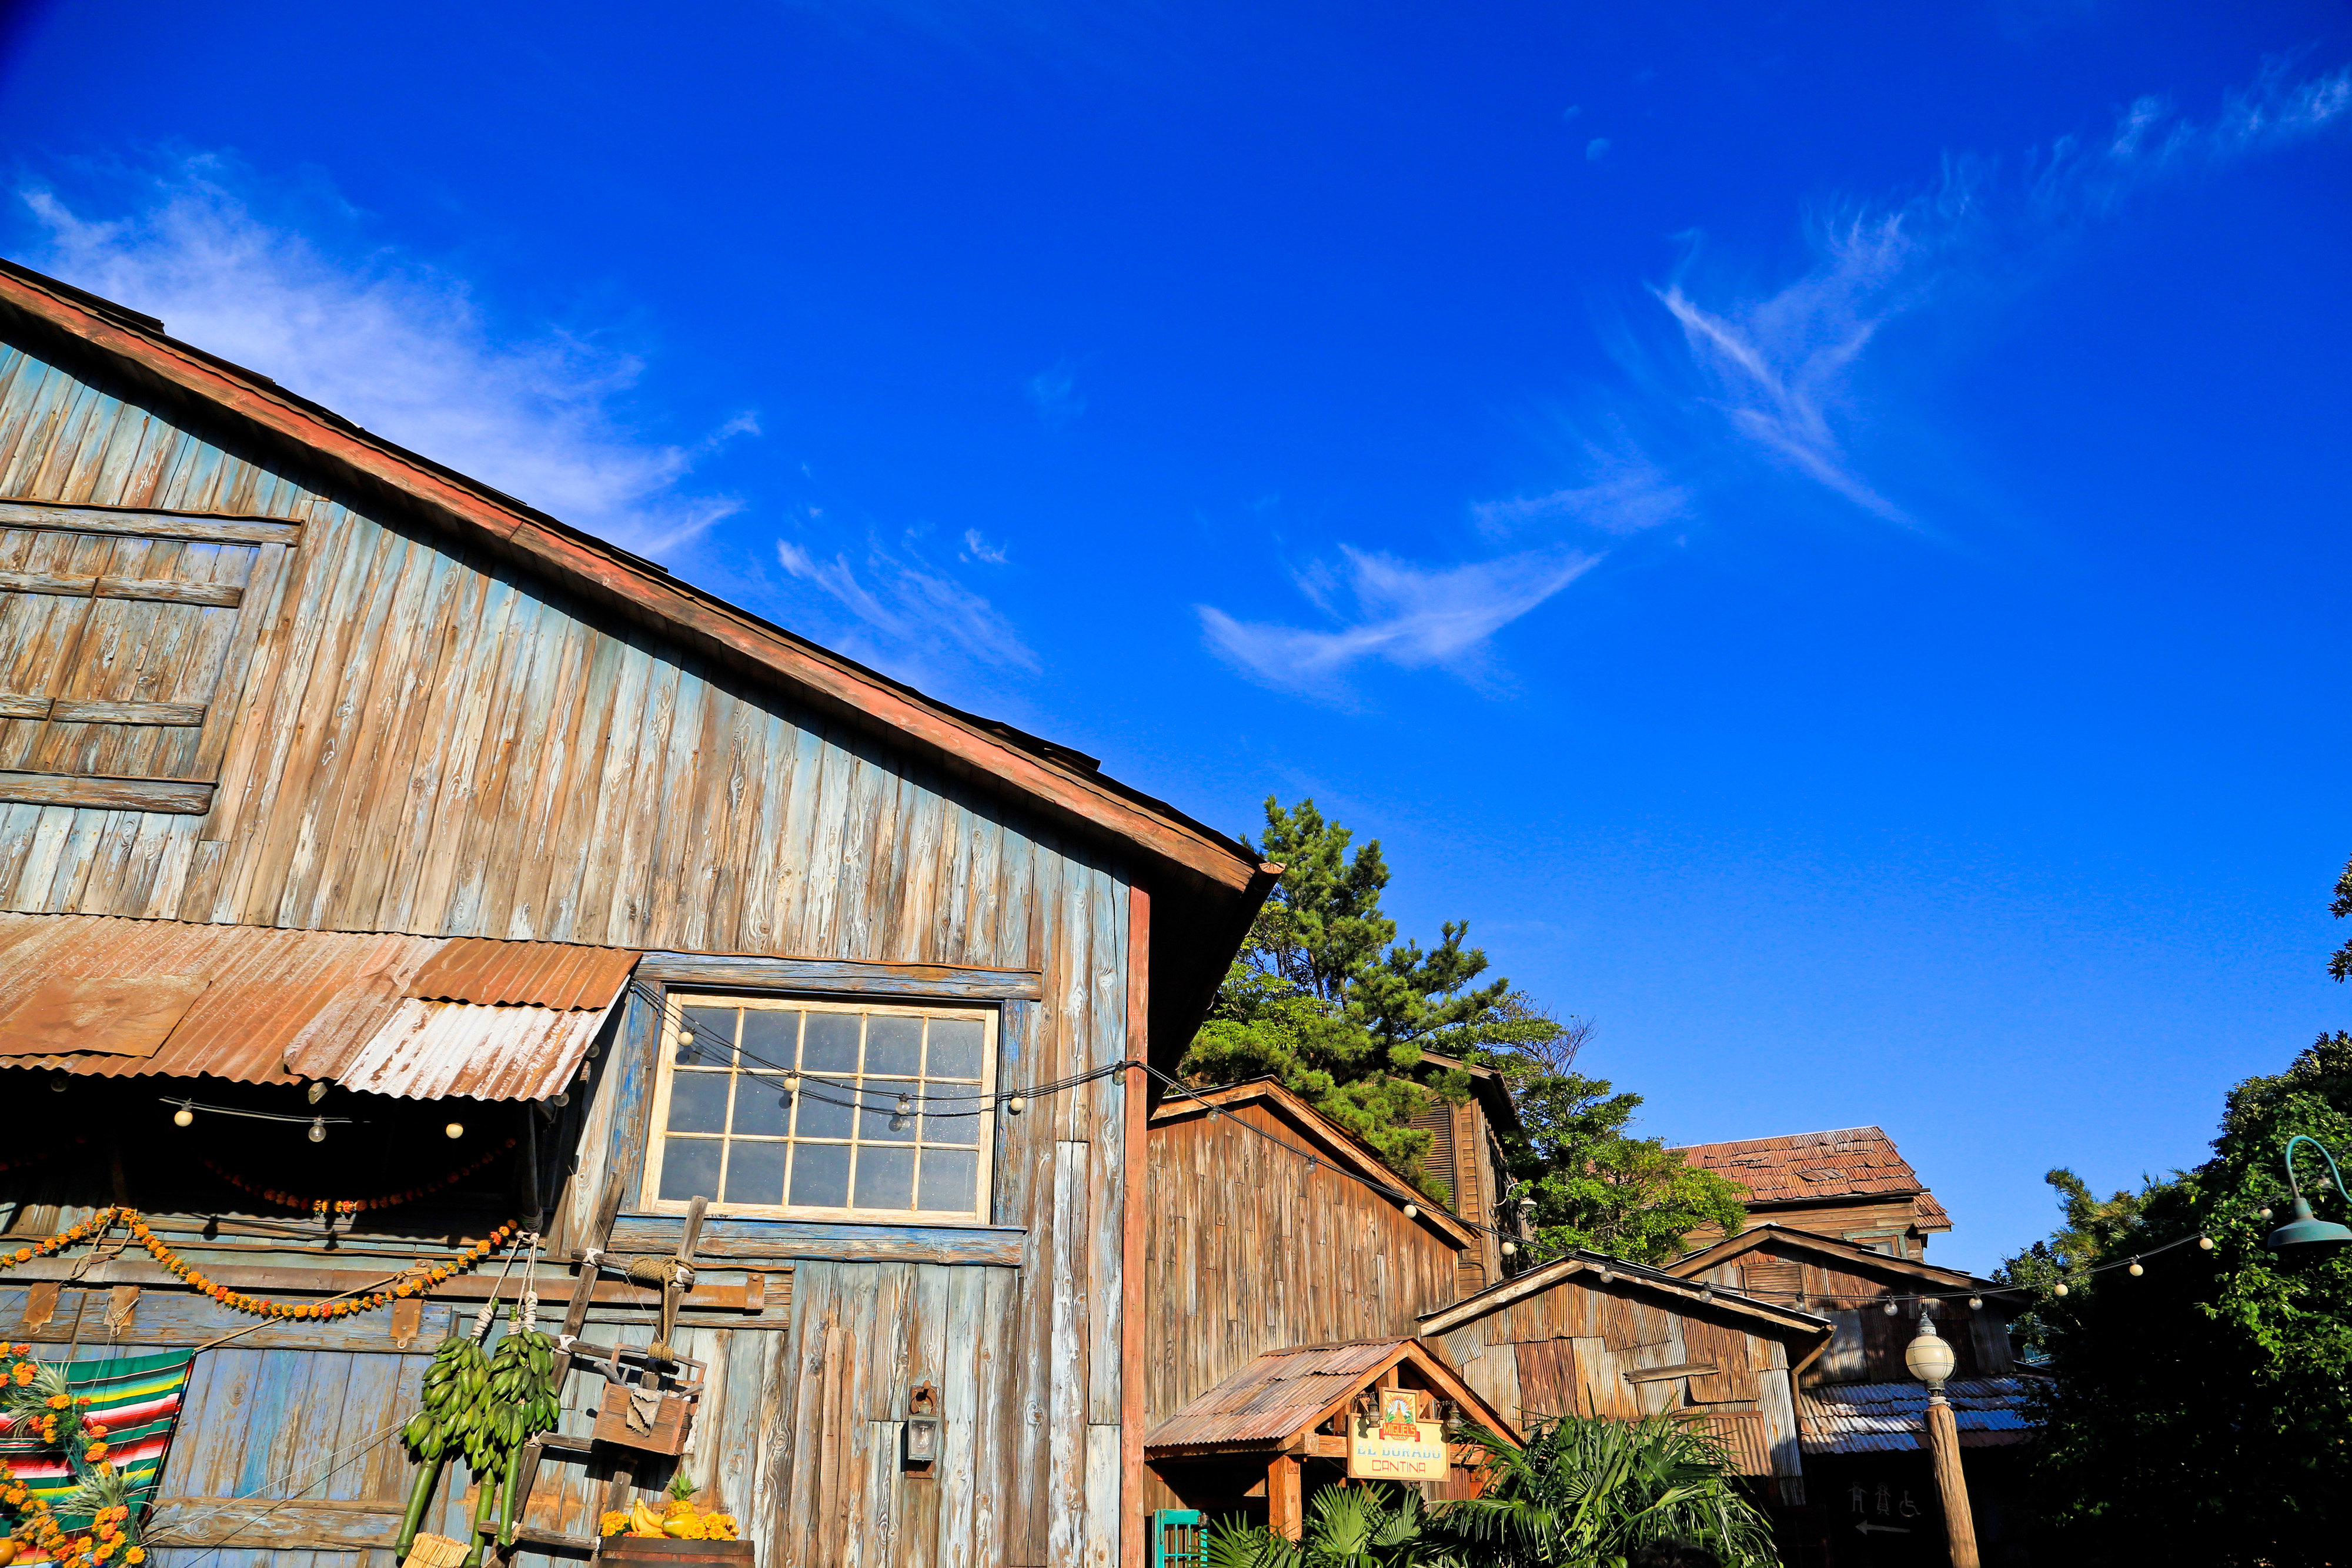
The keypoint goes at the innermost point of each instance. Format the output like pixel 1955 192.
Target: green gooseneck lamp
pixel 2304 1229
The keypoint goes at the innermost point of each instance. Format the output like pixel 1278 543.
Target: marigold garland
pixel 236 1300
pixel 354 1205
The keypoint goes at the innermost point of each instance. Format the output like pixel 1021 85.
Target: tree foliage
pixel 1325 999
pixel 2201 1412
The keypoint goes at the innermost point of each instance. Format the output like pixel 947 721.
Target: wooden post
pixel 1286 1497
pixel 1132 1416
pixel 1943 1450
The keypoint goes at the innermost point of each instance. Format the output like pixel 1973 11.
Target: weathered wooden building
pixel 1860 1410
pixel 1851 1184
pixel 339 788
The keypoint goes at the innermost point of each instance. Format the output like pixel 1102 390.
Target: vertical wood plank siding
pixel 428 740
pixel 1248 1250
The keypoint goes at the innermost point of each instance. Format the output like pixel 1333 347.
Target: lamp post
pixel 1930 1359
pixel 2306 1231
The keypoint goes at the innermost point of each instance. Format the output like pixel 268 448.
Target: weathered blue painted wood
pixel 789 1240
pixel 852 976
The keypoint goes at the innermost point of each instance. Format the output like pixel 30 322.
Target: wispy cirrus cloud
pixel 902 613
pixel 389 342
pixel 1411 616
pixel 1778 379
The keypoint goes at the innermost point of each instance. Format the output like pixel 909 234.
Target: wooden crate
pixel 677 1553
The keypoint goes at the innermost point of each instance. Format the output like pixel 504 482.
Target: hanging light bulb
pixel 2262 1214
pixel 2059 1289
pixel 2204 1244
pixel 1509 1247
pixel 184 1116
pixel 454 1130
pixel 901 1113
pixel 1607 1273
pixel 1014 1106
pixel 2135 1271
pixel 317 1129
pixel 1411 1211
pixel 1707 1292
pixel 1976 1303
pixel 1892 1309
pixel 57 1082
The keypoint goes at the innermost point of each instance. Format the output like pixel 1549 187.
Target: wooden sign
pixel 1397 1445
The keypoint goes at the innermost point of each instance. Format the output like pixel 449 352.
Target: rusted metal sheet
pixel 1888 1417
pixel 429 1048
pixel 1273 1397
pixel 534 974
pixel 279 1007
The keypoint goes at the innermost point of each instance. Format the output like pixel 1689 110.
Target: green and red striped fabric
pixel 136 1398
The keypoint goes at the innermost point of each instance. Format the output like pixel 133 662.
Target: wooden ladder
pixel 571 1352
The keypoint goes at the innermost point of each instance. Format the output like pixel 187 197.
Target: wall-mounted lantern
pixel 922 1429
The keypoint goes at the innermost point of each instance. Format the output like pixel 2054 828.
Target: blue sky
pixel 1816 529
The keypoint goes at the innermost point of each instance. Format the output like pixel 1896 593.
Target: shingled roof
pixel 1808 1167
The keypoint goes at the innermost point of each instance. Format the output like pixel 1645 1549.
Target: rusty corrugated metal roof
pixel 1274 1395
pixel 1886 1417
pixel 537 973
pixel 282 1006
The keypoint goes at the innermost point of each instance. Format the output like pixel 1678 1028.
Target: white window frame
pixel 665 1065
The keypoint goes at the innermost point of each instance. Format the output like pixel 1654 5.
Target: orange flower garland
pixel 260 1307
pixel 354 1205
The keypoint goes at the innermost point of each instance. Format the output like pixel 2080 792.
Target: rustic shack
pixel 1851 1184
pixel 411 899
pixel 1860 1409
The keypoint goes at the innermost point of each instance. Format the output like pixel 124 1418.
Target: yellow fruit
pixel 644 1520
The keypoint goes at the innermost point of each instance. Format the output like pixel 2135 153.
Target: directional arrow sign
pixel 1869 1528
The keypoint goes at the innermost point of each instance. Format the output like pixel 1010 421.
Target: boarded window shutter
pixel 123 641
pixel 1437 1174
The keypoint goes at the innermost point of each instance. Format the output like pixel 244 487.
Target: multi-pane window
pixel 825 1110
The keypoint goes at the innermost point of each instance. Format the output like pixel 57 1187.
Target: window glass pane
pixel 698 1103
pixel 952 1129
pixel 763 1106
pixel 755 1173
pixel 689 1167
pixel 821 1176
pixel 713 1042
pixel 894 1044
pixel 825 1111
pixel 955 1047
pixel 885 1178
pixel 880 1124
pixel 770 1037
pixel 950 1181
pixel 830 1043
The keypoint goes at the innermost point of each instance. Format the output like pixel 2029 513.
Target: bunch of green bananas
pixel 454 1381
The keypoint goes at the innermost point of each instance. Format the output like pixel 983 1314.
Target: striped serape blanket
pixel 136 1398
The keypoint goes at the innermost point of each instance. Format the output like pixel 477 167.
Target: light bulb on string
pixel 2135 1271
pixel 2059 1289
pixel 184 1117
pixel 1976 1303
pixel 317 1129
pixel 1509 1248
pixel 1014 1106
pixel 1892 1307
pixel 1411 1212
pixel 2204 1244
pixel 454 1130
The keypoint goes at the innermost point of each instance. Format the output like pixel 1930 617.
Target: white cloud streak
pixel 398 347
pixel 1781 373
pixel 904 614
pixel 1403 615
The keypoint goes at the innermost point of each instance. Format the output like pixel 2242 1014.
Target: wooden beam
pixel 733 1239
pixel 751 1296
pixel 1285 1498
pixel 141 521
pixel 842 975
pixel 177 796
pixel 1131 1413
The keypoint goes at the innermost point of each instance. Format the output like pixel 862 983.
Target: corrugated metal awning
pixel 1888 1417
pixel 420 1017
pixel 1280 1392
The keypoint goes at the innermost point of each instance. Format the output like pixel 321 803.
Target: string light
pixel 317 1129
pixel 184 1117
pixel 2135 1271
pixel 1411 1211
pixel 454 1130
